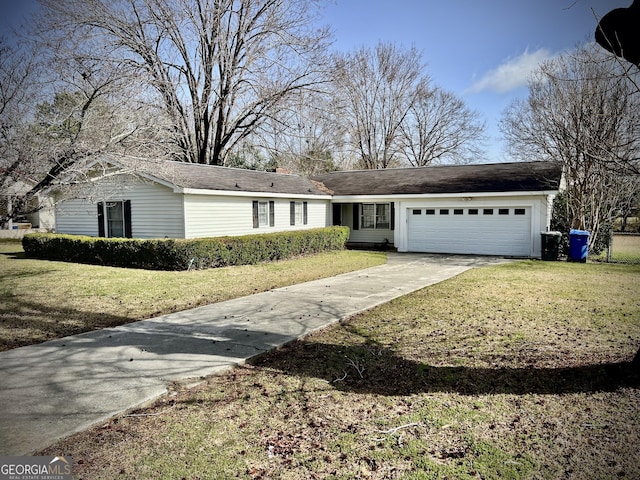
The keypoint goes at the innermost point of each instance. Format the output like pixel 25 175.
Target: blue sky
pixel 13 12
pixel 481 50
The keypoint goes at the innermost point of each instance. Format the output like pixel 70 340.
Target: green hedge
pixel 182 254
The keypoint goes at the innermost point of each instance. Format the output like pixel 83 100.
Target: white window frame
pixel 375 216
pixel 299 213
pixel 263 214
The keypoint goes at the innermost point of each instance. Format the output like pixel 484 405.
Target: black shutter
pixel 272 213
pixel 255 214
pixel 292 213
pixel 304 213
pixel 127 218
pixel 100 219
pixel 356 216
pixel 337 214
pixel 393 215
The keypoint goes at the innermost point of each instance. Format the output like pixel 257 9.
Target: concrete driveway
pixel 51 390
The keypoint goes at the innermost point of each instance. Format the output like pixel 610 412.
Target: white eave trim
pixel 126 170
pixel 426 196
pixel 230 193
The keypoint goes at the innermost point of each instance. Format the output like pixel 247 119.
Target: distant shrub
pixel 184 254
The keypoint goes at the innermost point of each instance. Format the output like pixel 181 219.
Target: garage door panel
pixel 496 234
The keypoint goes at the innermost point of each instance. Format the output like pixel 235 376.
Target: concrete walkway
pixel 53 389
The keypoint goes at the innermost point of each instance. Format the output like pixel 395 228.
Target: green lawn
pixel 41 300
pixel 518 371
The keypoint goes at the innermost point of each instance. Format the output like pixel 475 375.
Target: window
pixel 263 214
pixel 298 213
pixel 458 211
pixel 518 211
pixel 487 211
pixel 473 211
pixel 430 211
pixel 114 219
pixel 417 211
pixel 444 211
pixel 503 211
pixel 375 216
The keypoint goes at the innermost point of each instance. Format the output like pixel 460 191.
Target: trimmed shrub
pixel 182 254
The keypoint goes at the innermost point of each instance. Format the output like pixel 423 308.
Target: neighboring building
pixel 493 209
pixel 43 218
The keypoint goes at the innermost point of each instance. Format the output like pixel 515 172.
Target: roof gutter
pixel 231 193
pixel 424 196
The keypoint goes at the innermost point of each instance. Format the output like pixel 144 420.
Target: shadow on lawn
pixel 371 369
pixel 24 322
pixel 12 251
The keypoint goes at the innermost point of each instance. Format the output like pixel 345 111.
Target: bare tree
pixel 580 114
pixel 439 127
pixel 16 71
pixel 16 66
pixel 305 137
pixel 220 67
pixel 629 205
pixel 378 87
pixel 72 113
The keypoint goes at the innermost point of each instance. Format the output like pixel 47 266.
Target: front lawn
pixel 42 300
pixel 508 372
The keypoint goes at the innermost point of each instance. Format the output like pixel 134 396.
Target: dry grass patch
pixel 43 300
pixel 516 371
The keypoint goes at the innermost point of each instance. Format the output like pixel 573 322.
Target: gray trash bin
pixel 551 245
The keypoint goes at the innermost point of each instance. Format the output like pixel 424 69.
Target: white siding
pixel 77 217
pixel 371 236
pixel 156 212
pixel 215 216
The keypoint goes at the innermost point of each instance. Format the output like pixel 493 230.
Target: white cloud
pixel 511 74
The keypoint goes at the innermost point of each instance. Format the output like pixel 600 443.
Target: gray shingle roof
pixel 473 178
pixel 210 177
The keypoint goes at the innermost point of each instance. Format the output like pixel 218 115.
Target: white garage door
pixel 485 231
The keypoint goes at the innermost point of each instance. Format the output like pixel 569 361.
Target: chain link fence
pixel 623 248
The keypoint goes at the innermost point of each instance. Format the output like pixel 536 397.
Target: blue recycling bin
pixel 578 245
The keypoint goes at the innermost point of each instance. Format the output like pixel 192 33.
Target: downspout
pixel 9 212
